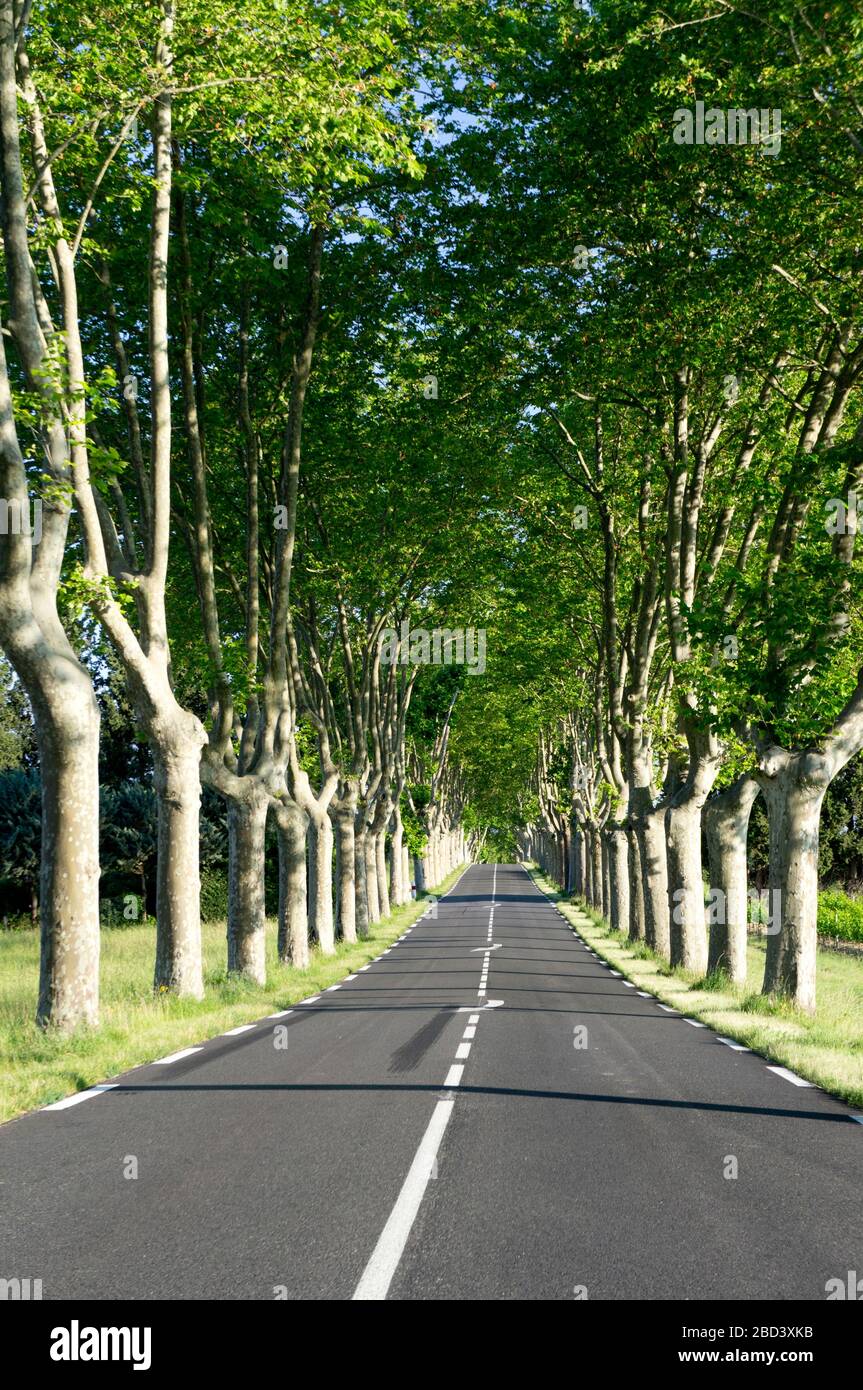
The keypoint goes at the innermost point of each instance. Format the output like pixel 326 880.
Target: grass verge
pixel 136 1027
pixel 826 1049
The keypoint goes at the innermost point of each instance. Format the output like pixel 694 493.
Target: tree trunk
pixel 68 741
pixel 428 865
pixel 596 868
pixel 685 886
pixel 570 859
pixel 419 874
pixel 683 848
pixel 247 824
pixel 343 819
pixel 371 877
pixel 635 926
pixel 432 875
pixel 587 864
pixel 177 784
pixel 293 944
pixel 794 787
pixel 361 897
pixel 726 823
pixel 397 886
pixel 381 865
pixel 654 877
pixel 321 925
pixel 618 867
pixel 580 881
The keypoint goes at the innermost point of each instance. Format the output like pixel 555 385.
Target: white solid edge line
pixel 378 1274
pixel 790 1076
pixel 177 1056
pixel 243 1028
pixel 81 1095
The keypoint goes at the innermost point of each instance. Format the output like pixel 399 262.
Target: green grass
pixel 826 1049
pixel 41 1067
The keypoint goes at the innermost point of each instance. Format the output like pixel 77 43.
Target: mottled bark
pixel 321 923
pixel 419 874
pixel 371 874
pixel 650 828
pixel 596 869
pixel 794 785
pixel 726 823
pixel 683 849
pixel 343 821
pixel 382 877
pixel 635 926
pixel 406 874
pixel 293 942
pixel 60 690
pixel 67 735
pixel 360 889
pixel 397 885
pixel 685 888
pixel 618 872
pixel 579 883
pixel 247 823
pixel 177 784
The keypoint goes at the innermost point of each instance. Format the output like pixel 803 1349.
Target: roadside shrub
pixel 840 915
pixel 121 911
pixel 214 895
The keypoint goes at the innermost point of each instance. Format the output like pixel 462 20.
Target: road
pixel 417 1138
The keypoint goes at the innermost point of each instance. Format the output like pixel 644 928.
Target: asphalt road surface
pixel 485 1112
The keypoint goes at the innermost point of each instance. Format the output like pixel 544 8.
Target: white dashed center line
pixel 378 1273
